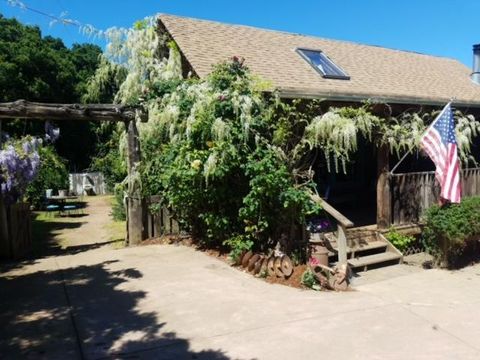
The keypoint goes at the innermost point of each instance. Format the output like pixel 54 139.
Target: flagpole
pixel 433 123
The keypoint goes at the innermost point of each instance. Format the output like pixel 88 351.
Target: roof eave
pixel 291 93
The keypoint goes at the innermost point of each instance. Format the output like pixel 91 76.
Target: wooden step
pixel 365 261
pixel 373 245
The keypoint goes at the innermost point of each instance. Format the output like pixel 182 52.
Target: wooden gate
pixel 161 221
pixel 413 193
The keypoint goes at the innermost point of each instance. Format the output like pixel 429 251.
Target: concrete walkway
pixel 172 302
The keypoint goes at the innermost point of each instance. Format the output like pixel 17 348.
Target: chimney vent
pixel 476 64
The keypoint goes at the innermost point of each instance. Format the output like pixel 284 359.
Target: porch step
pixel 372 245
pixel 366 261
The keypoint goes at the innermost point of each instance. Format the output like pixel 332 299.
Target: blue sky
pixel 438 27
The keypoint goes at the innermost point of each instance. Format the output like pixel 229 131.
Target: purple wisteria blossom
pixel 19 165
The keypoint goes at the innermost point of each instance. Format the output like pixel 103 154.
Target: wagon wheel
pixel 253 260
pixel 264 267
pixel 277 265
pixel 246 257
pixel 240 258
pixel 271 266
pixel 258 265
pixel 286 266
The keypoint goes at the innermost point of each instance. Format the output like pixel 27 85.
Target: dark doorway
pixel 353 193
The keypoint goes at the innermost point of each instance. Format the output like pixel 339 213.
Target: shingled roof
pixel 376 73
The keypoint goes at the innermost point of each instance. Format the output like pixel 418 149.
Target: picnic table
pixel 61 201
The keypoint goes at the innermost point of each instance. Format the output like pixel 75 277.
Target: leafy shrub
pixel 452 232
pixel 207 148
pixel 399 240
pixel 238 245
pixel 108 160
pixel 52 174
pixel 118 208
pixel 309 280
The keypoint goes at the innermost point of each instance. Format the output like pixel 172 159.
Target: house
pixel 375 73
pixel 342 73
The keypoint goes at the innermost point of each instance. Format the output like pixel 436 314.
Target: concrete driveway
pixel 172 302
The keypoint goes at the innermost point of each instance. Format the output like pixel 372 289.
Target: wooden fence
pixel 161 222
pixel 413 193
pixel 16 242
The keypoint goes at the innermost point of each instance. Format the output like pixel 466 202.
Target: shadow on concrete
pixel 45 242
pixel 83 313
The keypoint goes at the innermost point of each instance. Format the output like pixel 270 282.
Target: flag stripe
pixel 441 146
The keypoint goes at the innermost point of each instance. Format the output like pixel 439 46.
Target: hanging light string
pixel 85 29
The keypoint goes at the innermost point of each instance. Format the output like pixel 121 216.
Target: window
pixel 320 62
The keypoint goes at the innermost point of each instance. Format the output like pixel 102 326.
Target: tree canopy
pixel 43 69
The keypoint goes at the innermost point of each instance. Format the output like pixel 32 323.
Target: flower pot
pixel 62 192
pixel 320 253
pixel 48 193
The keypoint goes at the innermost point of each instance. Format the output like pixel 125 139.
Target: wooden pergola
pixel 22 109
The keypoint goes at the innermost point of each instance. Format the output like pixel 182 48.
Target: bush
pixel 109 160
pixel 309 280
pixel 452 232
pixel 52 174
pixel 207 148
pixel 399 240
pixel 118 207
pixel 238 245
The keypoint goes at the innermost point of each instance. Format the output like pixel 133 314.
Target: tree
pixel 43 69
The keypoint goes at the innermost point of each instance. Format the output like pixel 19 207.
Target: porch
pixel 402 199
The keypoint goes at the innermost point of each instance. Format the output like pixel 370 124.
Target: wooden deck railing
pixel 342 225
pixel 413 193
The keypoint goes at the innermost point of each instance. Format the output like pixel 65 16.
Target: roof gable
pixel 375 73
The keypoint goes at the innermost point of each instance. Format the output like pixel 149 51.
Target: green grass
pixel 116 229
pixel 46 231
pixel 49 232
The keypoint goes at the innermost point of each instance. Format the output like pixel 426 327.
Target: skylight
pixel 320 62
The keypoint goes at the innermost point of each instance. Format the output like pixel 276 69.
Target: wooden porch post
pixel 136 229
pixel 384 207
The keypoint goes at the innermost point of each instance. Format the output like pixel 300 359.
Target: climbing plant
pixel 233 162
pixel 338 130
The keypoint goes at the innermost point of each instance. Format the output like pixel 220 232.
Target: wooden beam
pixel 81 112
pixel 384 201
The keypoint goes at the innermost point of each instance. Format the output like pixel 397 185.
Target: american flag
pixel 440 144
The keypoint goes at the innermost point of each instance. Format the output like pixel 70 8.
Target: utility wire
pixel 84 28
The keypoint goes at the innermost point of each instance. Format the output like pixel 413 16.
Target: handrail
pixel 339 217
pixel 343 224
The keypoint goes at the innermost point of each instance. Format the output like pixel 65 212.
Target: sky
pixel 438 27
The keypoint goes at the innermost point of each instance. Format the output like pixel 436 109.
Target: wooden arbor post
pixel 384 203
pixel 136 212
pixel 93 112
